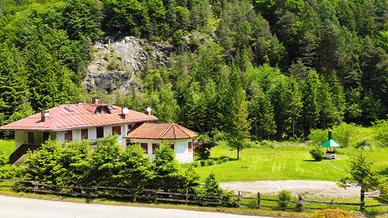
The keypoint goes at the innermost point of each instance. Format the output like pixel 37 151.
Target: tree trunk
pixel 362 200
pixel 238 153
pixel 293 127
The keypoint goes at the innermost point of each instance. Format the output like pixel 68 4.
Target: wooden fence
pixel 175 197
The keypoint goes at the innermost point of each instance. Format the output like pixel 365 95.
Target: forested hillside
pixel 274 69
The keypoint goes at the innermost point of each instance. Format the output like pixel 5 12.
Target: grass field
pixel 280 162
pixel 7 146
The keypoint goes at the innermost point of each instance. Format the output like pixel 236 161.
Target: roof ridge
pixel 173 130
pixel 184 131
pixel 165 131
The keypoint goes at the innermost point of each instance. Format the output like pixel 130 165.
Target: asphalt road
pixel 12 207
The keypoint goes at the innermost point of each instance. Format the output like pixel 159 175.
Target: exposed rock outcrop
pixel 117 65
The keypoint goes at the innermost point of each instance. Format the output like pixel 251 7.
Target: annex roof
pixel 161 131
pixel 77 116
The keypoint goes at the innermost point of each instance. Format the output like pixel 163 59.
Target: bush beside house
pixel 76 164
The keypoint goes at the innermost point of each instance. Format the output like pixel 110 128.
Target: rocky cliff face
pixel 118 65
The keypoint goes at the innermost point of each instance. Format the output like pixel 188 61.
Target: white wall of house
pixel 92 134
pixel 76 135
pixel 60 136
pixel 107 131
pixel 20 138
pixel 181 150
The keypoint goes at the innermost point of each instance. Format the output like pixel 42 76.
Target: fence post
pixel 258 200
pixel 300 202
pixel 155 196
pixel 238 199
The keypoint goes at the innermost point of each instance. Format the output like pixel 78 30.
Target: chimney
pixel 330 136
pixel 44 115
pixel 148 110
pixel 96 101
pixel 125 112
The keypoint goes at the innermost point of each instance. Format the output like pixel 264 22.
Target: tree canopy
pixel 299 64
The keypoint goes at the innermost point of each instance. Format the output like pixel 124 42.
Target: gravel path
pixel 317 188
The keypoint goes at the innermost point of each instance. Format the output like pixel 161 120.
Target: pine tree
pixel 167 108
pixel 13 85
pixel 261 115
pixel 328 113
pixel 294 104
pixel 311 86
pixel 278 95
pixel 238 125
pixel 193 113
pixel 338 96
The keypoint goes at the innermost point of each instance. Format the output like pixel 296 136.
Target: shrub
pixel 43 165
pixel 219 162
pixel 384 192
pixel 363 145
pixel 284 198
pixel 334 213
pixel 203 163
pixel 317 136
pixel 203 147
pixel 3 158
pixel 229 199
pixel 195 164
pixel 317 153
pixel 343 133
pixel 211 186
pixel 381 128
pixel 166 169
pixel 7 171
pixel 210 162
pixel 225 159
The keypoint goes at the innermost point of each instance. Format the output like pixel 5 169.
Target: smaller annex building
pixel 150 135
pixel 74 122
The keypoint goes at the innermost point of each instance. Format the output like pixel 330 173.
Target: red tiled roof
pixel 75 116
pixel 161 131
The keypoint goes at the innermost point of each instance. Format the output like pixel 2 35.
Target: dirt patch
pixel 317 188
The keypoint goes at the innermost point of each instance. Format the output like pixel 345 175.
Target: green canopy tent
pixel 330 143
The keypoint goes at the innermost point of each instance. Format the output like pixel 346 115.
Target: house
pixel 73 122
pixel 150 135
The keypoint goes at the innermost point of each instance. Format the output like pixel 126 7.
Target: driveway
pixel 12 207
pixel 316 188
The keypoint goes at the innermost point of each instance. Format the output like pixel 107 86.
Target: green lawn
pixel 7 146
pixel 284 163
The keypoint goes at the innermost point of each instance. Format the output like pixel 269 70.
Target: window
pixel 131 144
pixel 100 132
pixel 190 146
pixel 130 127
pixel 154 147
pixel 68 135
pixel 172 146
pixel 46 136
pixel 30 137
pixel 84 134
pixel 145 147
pixel 102 110
pixel 116 130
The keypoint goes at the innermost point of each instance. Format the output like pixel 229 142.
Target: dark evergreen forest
pixel 258 68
